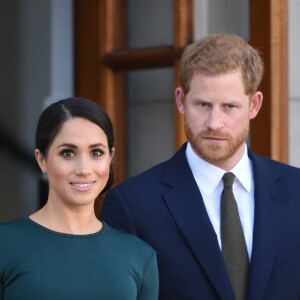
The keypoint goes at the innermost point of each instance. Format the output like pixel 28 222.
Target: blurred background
pixel 43 59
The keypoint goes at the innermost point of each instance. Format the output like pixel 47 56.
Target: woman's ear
pixel 112 153
pixel 41 160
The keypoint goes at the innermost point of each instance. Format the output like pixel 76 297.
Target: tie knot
pixel 228 179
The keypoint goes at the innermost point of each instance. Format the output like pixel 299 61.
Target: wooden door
pixel 102 59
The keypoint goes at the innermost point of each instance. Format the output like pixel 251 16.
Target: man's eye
pixel 230 106
pixel 203 104
pixel 97 152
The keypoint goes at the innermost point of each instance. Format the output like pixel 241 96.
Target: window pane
pixel 150 23
pixel 150 118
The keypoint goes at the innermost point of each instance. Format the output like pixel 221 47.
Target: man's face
pixel 217 113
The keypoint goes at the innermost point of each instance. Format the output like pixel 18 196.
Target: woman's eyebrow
pixel 72 146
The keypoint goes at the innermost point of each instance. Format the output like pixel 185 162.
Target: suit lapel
pixel 270 215
pixel 187 208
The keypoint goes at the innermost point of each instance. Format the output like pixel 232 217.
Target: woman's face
pixel 77 164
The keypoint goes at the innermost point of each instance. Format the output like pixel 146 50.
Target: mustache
pixel 214 134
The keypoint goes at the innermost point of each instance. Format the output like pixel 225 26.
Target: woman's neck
pixel 77 220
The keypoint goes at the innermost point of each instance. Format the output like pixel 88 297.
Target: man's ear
pixel 180 100
pixel 41 160
pixel 255 104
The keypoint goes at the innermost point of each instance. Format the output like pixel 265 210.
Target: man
pixel 176 206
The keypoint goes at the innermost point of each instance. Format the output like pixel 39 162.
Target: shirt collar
pixel 243 171
pixel 208 176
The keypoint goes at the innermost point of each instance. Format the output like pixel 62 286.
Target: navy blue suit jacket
pixel 163 206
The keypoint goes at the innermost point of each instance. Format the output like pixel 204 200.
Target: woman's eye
pixel 97 152
pixel 67 153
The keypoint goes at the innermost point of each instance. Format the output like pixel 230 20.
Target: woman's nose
pixel 83 166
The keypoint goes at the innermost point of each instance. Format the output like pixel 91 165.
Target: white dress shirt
pixel 209 180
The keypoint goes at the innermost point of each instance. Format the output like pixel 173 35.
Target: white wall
pixel 36 67
pixel 9 112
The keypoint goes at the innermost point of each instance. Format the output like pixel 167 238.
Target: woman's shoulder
pixel 12 225
pixel 124 239
pixel 127 248
pixel 14 236
pixel 18 231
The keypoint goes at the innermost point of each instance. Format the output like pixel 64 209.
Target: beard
pixel 214 153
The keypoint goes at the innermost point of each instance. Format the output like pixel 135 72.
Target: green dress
pixel 40 264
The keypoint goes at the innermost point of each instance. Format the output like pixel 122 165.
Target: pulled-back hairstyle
pixel 54 116
pixel 220 54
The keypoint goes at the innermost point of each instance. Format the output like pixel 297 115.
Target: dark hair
pixel 55 115
pixel 220 54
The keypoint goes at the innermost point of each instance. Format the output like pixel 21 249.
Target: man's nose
pixel 215 119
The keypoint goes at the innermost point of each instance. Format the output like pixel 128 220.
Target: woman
pixel 63 251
